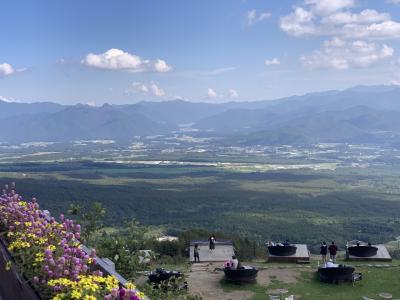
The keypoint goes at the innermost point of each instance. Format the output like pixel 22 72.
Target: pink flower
pixel 114 292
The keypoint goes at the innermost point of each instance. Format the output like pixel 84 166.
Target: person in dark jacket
pixel 324 252
pixel 332 251
pixel 212 241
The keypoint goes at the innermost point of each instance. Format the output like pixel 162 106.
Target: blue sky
pixel 210 50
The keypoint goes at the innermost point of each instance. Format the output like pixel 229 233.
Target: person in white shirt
pixel 234 262
pixel 330 264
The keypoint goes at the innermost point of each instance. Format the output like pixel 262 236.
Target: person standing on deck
pixel 196 253
pixel 212 241
pixel 332 251
pixel 324 252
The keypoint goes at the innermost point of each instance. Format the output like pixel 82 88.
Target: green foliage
pixel 169 248
pixel 172 289
pixel 124 247
pixel 303 206
pixel 90 218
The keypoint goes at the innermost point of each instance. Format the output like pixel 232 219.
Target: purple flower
pixel 122 293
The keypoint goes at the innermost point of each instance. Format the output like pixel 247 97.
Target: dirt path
pixel 206 283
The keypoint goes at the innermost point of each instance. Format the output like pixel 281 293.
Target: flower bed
pixel 50 256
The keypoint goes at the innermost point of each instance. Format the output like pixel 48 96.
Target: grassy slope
pixel 375 281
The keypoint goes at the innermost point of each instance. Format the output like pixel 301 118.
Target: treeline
pixel 219 207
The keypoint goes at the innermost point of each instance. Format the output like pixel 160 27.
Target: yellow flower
pixel 59 296
pixel 130 285
pixel 39 257
pixel 22 203
pixel 18 244
pixel 52 247
pixel 41 241
pixel 76 294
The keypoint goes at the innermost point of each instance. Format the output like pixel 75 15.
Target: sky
pixel 210 50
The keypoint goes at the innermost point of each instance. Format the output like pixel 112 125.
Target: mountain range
pixel 362 114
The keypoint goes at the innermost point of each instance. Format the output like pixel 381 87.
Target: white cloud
pixel 334 42
pixel 324 7
pixel 336 18
pixel 7 99
pixel 233 93
pixel 91 103
pixel 211 93
pixel 273 61
pixel 377 31
pixel 354 33
pixel 178 97
pixel 156 90
pixel 148 89
pixel 140 87
pixel 366 16
pixel 299 23
pixel 393 1
pixel 395 82
pixel 341 55
pixel 254 17
pixel 162 66
pixel 6 69
pixel 115 59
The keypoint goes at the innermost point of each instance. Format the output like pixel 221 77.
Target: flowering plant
pixel 50 253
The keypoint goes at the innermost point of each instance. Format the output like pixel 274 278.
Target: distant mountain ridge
pixel 367 114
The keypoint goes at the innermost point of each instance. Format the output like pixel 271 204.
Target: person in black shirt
pixel 324 252
pixel 212 241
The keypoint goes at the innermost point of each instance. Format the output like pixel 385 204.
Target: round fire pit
pixel 362 250
pixel 336 275
pixel 242 274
